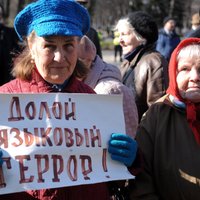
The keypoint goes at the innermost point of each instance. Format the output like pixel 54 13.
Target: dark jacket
pixel 166 43
pixel 8 45
pixel 171 155
pixel 147 76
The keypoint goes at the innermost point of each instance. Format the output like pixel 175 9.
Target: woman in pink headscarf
pixel 169 133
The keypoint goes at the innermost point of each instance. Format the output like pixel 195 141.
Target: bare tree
pixel 105 13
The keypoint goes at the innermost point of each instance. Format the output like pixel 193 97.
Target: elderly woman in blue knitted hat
pixel 52 30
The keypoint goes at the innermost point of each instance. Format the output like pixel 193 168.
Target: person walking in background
pixel 105 78
pixel 92 33
pixel 144 69
pixel 51 31
pixel 117 46
pixel 9 44
pixel 195 25
pixel 168 39
pixel 169 133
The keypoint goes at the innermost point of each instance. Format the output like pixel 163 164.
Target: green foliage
pixel 107 45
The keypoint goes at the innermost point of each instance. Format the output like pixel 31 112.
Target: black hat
pixel 166 19
pixel 145 25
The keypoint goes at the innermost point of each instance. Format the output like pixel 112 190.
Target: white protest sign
pixel 56 140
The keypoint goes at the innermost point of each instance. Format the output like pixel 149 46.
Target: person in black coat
pixel 8 45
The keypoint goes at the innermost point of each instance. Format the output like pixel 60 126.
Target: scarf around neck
pixel 129 56
pixel 192 109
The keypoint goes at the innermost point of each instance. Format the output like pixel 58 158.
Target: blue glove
pixel 1 154
pixel 122 148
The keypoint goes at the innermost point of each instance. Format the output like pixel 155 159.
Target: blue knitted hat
pixel 52 17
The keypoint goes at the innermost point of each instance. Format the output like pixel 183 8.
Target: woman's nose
pixel 59 56
pixel 195 75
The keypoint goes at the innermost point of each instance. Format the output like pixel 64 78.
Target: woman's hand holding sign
pixel 122 148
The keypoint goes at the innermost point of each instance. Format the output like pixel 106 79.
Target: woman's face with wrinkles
pixel 188 78
pixel 55 57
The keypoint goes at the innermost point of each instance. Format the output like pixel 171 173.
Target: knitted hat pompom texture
pixel 145 25
pixel 52 17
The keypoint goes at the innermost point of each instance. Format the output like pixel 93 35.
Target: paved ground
pixel 108 56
